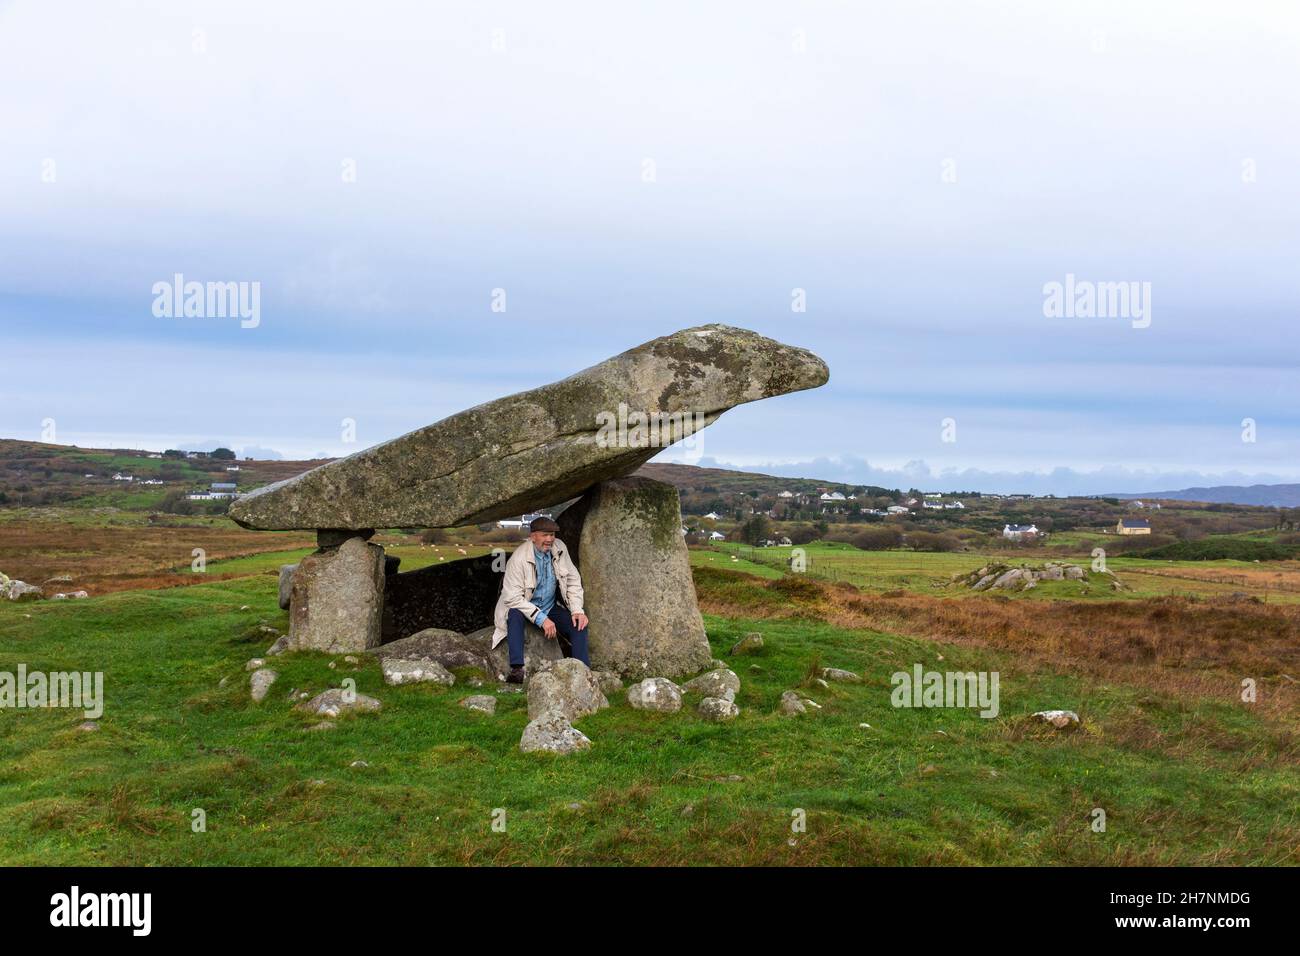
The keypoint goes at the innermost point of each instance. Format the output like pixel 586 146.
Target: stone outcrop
pixel 565 687
pixel 446 648
pixel 542 446
pixel 337 599
pixel 625 537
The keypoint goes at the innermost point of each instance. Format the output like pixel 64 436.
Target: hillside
pixel 1268 496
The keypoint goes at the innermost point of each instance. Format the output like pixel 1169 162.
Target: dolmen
pixel 576 442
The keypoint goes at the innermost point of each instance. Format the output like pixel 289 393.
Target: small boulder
pixel 655 693
pixel 722 682
pixel 414 672
pixel 286 584
pixel 450 649
pixel 717 708
pixel 792 704
pixel 565 687
pixel 335 701
pixel 835 674
pixel 484 703
pixel 748 644
pixel 279 647
pixel 260 681
pixel 22 591
pixel 610 682
pixel 254 664
pixel 1060 719
pixel 552 733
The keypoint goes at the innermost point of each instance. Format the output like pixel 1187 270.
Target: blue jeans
pixel 576 638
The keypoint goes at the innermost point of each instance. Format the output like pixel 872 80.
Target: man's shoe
pixel 516 676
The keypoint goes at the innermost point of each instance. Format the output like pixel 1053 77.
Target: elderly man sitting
pixel 537 574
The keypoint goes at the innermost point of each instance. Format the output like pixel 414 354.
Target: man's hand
pixel 548 628
pixel 580 621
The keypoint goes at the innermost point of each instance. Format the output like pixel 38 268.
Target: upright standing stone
pixel 337 599
pixel 636 575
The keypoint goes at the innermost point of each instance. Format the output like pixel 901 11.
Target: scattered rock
pixel 552 733
pixel 835 674
pixel 22 591
pixel 748 644
pixel 335 701
pixel 655 693
pixel 254 664
pixel 448 648
pixel 717 708
pixel 485 703
pixel 610 682
pixel 260 682
pixel 286 584
pixel 88 725
pixel 358 763
pixel 565 687
pixel 414 672
pixel 792 704
pixel 721 682
pixel 821 683
pixel 1060 719
pixel 279 647
pixel 323 725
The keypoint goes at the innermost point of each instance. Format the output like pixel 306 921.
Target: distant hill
pixel 1268 496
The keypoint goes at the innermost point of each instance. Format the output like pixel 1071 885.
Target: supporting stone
pixel 336 599
pixel 625 536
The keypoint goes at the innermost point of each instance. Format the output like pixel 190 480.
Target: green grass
pixel 1182 781
pixel 930 572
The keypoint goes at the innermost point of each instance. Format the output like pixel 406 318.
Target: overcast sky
pixel 921 170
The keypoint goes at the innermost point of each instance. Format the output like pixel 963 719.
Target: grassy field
pixel 931 572
pixel 1185 771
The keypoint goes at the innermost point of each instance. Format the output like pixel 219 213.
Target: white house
pixel 932 505
pixel 717 536
pixel 785 494
pixel 121 477
pixel 897 510
pixel 833 496
pixel 1017 531
pixel 510 523
pixel 232 468
pixel 713 516
pixel 951 505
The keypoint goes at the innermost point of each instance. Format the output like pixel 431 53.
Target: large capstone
pixel 542 446
pixel 337 599
pixel 625 536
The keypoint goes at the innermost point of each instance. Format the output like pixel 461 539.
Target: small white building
pixel 897 510
pixel 121 477
pixel 712 516
pixel 833 496
pixel 717 536
pixel 1016 532
pixel 955 505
